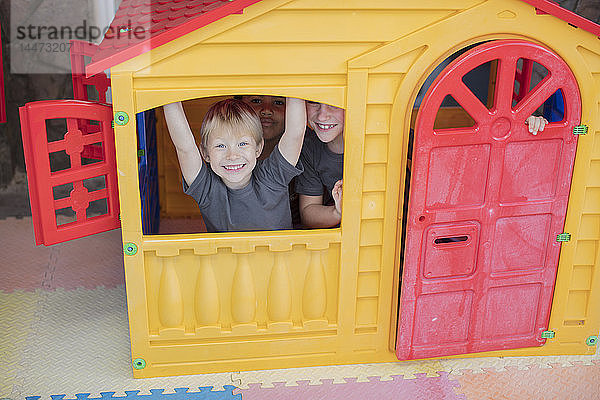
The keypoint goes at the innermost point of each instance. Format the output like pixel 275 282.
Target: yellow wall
pixel 337 293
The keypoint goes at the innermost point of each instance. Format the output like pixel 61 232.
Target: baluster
pixel 279 293
pixel 314 296
pixel 170 301
pixel 207 295
pixel 243 297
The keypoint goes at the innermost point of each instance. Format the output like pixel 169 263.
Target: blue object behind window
pixel 148 171
pixel 554 107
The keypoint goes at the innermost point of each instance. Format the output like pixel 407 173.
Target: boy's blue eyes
pixel 222 146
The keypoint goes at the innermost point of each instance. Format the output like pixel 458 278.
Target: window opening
pixel 65 216
pixel 56 129
pixel 166 209
pixel 531 81
pixel 97 208
pixel 59 161
pixel 62 191
pixel 452 115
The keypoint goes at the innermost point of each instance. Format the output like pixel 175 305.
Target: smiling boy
pixel 235 193
pixel 323 160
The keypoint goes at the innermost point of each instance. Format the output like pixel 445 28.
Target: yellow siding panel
pixel 366 311
pixel 374 177
pixel 368 284
pixel 577 304
pixel 371 232
pixel 594 174
pixel 351 26
pixel 373 205
pixel 260 59
pixel 378 119
pixel 592 199
pixel 582 277
pixel 590 227
pixel 586 252
pixel 592 58
pixel 369 258
pixel 376 149
pixel 382 88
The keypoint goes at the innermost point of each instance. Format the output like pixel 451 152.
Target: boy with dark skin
pixel 271 111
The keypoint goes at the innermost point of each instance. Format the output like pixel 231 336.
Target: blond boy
pixel 233 191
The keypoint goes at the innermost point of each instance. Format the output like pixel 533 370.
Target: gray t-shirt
pixel 261 205
pixel 322 168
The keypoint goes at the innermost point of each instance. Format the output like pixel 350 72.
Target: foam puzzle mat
pixel 64 335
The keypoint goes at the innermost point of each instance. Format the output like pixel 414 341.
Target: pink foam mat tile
pixel 87 262
pixel 422 387
pixel 554 381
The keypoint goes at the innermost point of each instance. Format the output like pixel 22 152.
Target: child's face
pixel 232 157
pixel 271 111
pixel 327 121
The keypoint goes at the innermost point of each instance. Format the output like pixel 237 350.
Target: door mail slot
pixel 450 250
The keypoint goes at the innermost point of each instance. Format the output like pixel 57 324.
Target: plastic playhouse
pixel 491 245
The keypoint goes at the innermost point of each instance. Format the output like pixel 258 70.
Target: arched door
pixel 486 205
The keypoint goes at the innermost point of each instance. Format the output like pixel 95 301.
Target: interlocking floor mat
pixel 64 335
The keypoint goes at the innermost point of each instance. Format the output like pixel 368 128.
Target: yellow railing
pixel 199 288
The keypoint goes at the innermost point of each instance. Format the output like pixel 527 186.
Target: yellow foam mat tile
pixel 17 314
pixel 79 343
pixel 406 368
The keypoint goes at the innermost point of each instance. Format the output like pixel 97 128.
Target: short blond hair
pixel 233 116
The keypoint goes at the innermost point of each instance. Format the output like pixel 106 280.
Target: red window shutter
pixel 486 205
pixel 44 181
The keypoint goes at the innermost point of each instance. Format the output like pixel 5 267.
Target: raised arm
pixel 290 143
pixel 188 154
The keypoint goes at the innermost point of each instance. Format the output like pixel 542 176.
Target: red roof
pixel 142 25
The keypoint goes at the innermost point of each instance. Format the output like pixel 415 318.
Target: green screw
pixel 141 153
pixel 130 248
pixel 139 363
pixel 121 118
pixel 592 341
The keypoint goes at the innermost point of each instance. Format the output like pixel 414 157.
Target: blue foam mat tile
pixel 205 393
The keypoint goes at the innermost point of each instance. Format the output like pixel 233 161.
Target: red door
pixel 486 205
pixel 86 179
